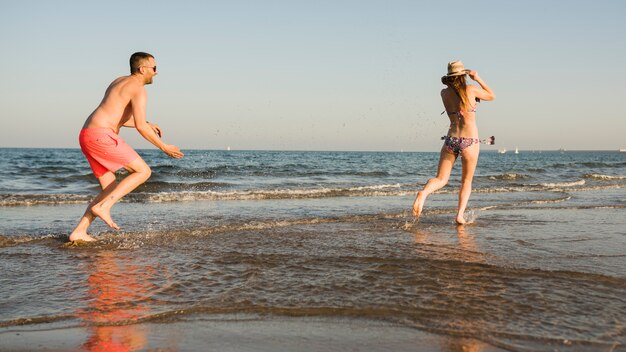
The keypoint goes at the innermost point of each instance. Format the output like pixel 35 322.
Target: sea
pixel 239 234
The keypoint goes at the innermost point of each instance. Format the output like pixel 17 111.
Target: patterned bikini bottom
pixel 456 145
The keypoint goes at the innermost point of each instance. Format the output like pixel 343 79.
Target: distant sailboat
pixel 228 148
pixel 502 151
pixel 516 150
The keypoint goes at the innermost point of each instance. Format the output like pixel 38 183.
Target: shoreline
pixel 241 333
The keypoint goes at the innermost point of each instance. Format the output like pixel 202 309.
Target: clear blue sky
pixel 317 75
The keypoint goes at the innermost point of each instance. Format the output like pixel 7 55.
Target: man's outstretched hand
pixel 173 151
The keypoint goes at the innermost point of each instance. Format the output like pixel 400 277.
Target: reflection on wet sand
pixel 467 242
pixel 453 345
pixel 117 293
pixel 463 248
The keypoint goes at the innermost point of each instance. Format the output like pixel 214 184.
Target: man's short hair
pixel 137 59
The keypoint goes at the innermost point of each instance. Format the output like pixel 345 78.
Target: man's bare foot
pixel 104 214
pixel 81 236
pixel 418 205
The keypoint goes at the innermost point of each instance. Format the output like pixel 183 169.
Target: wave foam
pixel 362 191
pixel 382 190
pixel 7 200
pixel 604 177
pixel 563 184
pixel 508 177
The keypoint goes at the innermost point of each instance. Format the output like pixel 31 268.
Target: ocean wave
pixel 542 187
pixel 289 170
pixel 10 241
pixel 574 207
pixel 563 184
pixel 604 177
pixel 602 164
pixel 162 191
pixel 7 200
pixel 35 320
pixel 507 189
pixel 361 191
pixel 159 186
pixel 165 192
pixel 508 177
pixel 588 164
pixel 549 201
pixel 157 192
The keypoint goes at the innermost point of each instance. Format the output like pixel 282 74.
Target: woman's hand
pixel 484 92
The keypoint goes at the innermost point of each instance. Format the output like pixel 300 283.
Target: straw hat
pixel 456 68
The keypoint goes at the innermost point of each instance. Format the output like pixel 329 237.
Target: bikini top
pixel 460 113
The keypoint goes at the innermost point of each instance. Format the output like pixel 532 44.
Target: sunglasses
pixel 152 67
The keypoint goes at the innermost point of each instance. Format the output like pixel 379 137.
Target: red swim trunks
pixel 105 150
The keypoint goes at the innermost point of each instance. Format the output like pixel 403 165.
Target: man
pixel 124 104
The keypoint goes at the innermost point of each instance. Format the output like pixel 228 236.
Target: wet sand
pixel 239 334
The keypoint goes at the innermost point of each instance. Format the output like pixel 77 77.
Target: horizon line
pixel 346 151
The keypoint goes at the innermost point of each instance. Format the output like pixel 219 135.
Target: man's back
pixel 115 108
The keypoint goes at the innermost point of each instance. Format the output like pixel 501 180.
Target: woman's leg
pixel 469 160
pixel 446 162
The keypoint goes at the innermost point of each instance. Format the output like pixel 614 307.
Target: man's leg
pixel 107 183
pixel 139 173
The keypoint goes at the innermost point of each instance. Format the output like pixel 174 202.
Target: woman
pixel 460 100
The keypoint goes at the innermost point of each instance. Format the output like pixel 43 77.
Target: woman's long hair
pixel 459 85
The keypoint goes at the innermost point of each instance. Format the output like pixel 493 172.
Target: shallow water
pixel 326 235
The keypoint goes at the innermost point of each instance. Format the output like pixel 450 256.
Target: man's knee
pixel 139 167
pixel 142 170
pixel 147 172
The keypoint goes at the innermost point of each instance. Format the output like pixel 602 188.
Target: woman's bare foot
pixel 104 214
pixel 81 236
pixel 418 205
pixel 460 220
